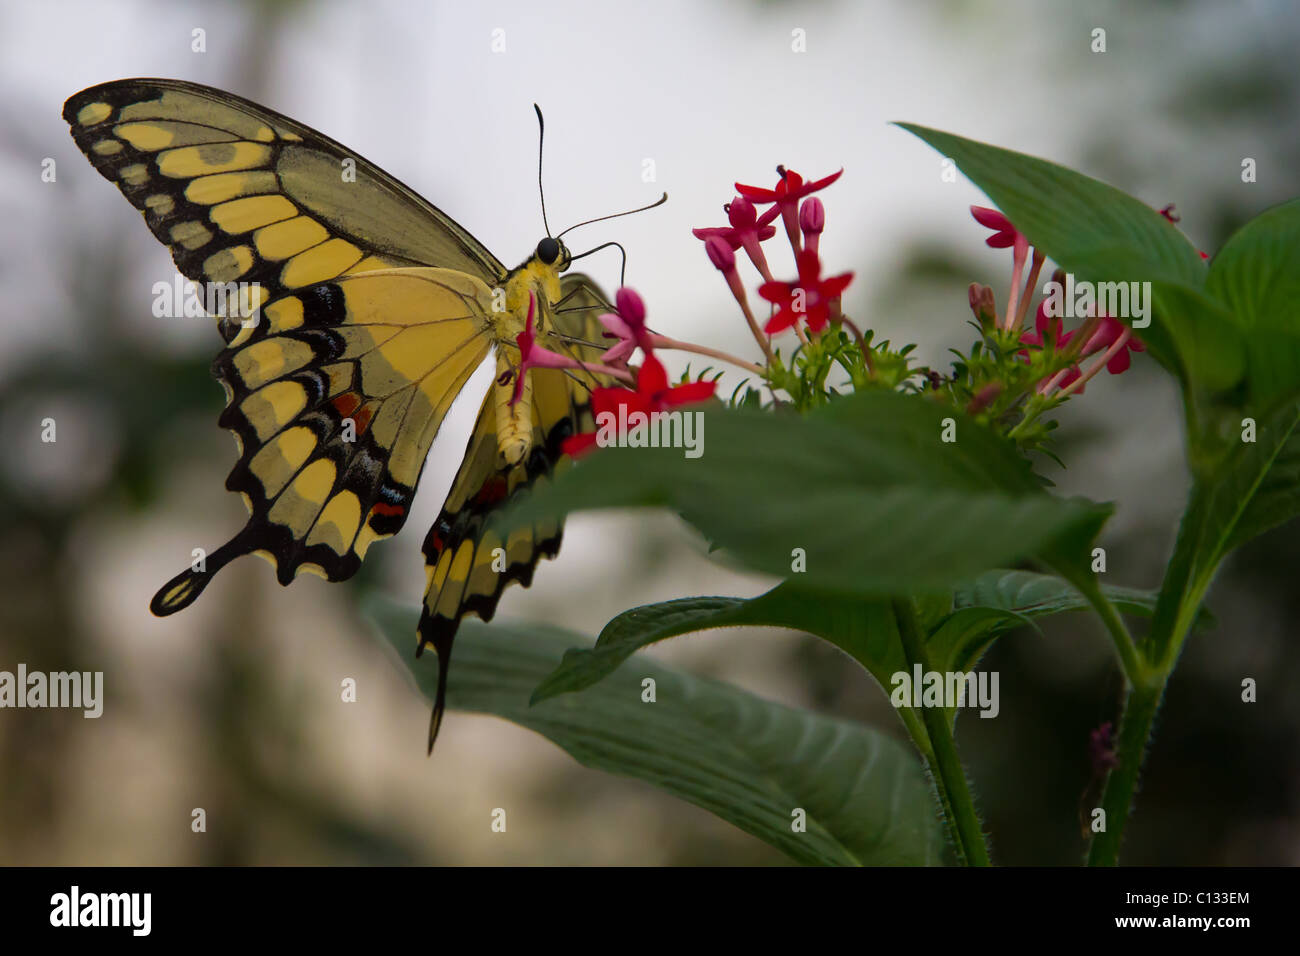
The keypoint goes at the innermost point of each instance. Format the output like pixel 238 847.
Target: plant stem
pixel 1134 668
pixel 950 778
pixel 1146 690
pixel 1134 733
pixel 664 341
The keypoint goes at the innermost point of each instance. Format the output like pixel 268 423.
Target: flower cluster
pixel 1011 376
pixel 650 391
pixel 1099 333
pixel 810 299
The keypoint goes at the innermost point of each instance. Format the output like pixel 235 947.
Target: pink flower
pixel 627 325
pixel 747 231
pixel 812 220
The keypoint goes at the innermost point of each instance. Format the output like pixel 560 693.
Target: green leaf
pixel 750 761
pixel 1102 234
pixel 1276 499
pixel 865 487
pixel 865 630
pixel 1250 489
pixel 1002 599
pixel 862 629
pixel 1257 275
pixel 1067 214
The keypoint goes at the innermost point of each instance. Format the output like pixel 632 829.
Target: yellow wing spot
pixel 483 579
pixel 291 137
pixel 519 546
pixel 251 297
pixel 208 190
pixel 228 264
pixel 191 235
pixel 161 203
pixel 189 161
pixel 264 134
pixel 338 523
pixel 454 586
pixel 251 212
pixel 288 238
pixel 268 557
pixel 308 567
pixel 365 538
pixel 145 136
pixel 137 174
pixel 300 503
pixel 279 459
pixel 270 359
pixel 283 315
pixel 272 407
pixel 322 262
pixel 107 147
pixel 440 573
pixel 93 113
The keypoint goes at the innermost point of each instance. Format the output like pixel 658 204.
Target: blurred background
pixel 234 705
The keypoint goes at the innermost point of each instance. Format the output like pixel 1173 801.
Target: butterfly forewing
pixel 242 194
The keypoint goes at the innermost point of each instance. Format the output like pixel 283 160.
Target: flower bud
pixel 720 254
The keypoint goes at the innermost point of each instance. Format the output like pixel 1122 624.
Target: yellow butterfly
pixel 362 311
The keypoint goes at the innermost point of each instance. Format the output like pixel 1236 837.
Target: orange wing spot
pixel 379 508
pixel 348 405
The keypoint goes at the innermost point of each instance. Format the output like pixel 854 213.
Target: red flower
pixel 1109 334
pixel 652 394
pixel 747 230
pixel 1043 327
pixel 787 194
pixel 533 355
pixel 810 298
pixel 1004 234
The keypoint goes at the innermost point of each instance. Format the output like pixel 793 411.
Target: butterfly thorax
pixel 538 283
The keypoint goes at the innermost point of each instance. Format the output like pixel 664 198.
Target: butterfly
pixel 357 312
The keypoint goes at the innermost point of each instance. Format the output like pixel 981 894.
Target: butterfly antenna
pixel 622 272
pixel 541 136
pixel 658 202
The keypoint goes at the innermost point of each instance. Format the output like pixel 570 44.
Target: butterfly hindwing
pixel 336 396
pixel 469 557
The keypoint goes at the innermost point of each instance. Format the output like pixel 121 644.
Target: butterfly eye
pixel 548 250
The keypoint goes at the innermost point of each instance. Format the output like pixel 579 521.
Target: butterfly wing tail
pixel 440 633
pixel 182 591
